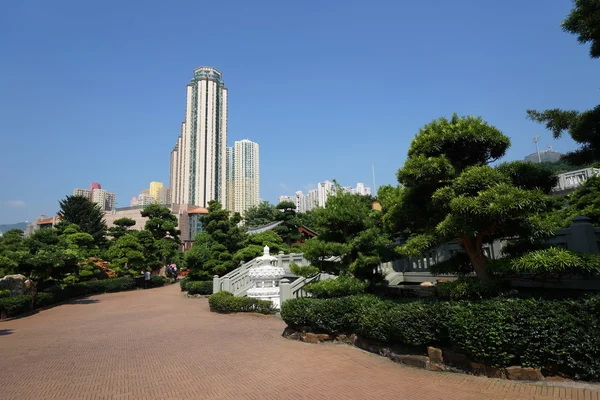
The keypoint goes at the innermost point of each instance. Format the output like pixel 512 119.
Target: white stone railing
pixel 295 290
pixel 238 282
pixel 573 179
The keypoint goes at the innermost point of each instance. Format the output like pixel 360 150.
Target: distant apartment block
pixel 156 193
pixel 318 197
pixel 243 176
pixel 106 200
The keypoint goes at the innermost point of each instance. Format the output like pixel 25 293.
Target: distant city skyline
pixel 243 176
pixel 318 197
pixel 106 200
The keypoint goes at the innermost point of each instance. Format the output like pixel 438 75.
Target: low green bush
pixel 558 336
pixel 554 261
pixel 468 288
pixel 158 281
pixel 16 305
pixel 44 299
pixel 183 283
pixel 226 303
pixel 199 287
pixel 343 285
pixel 4 293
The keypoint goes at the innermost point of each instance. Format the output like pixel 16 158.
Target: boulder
pixel 456 359
pixel 310 337
pixel 324 337
pixel 485 370
pixel 428 284
pixel 291 333
pixel 435 354
pixel 438 367
pixel 15 283
pixel 516 373
pixel 416 361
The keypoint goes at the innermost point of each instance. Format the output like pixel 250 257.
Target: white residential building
pixel 198 159
pixel 106 200
pixel 318 197
pixel 287 198
pixel 244 175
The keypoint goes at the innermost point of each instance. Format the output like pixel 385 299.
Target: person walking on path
pixel 146 279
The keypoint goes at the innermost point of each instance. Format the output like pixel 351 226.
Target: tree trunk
pixel 477 257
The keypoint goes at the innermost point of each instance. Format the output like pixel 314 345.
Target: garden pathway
pixel 156 344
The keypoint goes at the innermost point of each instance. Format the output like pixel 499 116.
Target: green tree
pixel 288 229
pixel 451 193
pixel 585 200
pixel 121 227
pixel 226 238
pixel 254 246
pixel 350 237
pixel 162 224
pixel 584 21
pixel 127 255
pixel 261 214
pixel 84 213
pixel 195 259
pixel 584 127
pixel 307 219
pixel 12 251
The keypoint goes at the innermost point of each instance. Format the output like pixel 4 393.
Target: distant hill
pixel 545 156
pixel 8 227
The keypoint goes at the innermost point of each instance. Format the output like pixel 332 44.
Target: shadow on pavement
pixel 83 301
pixel 4 332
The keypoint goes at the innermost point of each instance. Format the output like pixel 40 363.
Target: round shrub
pixel 226 303
pixel 4 293
pixel 158 281
pixel 16 305
pixel 343 285
pixel 199 287
pixel 468 288
pixel 183 283
pixel 43 299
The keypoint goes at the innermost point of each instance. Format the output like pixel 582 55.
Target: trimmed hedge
pixel 343 285
pixel 199 287
pixel 558 336
pixel 4 293
pixel 16 305
pixel 468 288
pixel 183 283
pixel 226 303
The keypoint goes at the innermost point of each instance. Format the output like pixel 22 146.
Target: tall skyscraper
pixel 230 173
pixel 198 159
pixel 243 164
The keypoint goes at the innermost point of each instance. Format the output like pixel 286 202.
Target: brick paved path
pixel 155 344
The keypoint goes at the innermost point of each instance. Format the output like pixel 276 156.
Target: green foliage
pixel 288 229
pixel 261 214
pixel 468 288
pixel 555 261
pixel 303 270
pixel 121 227
pixel 199 287
pixel 213 249
pixel 16 305
pixel 450 193
pixel 558 336
pixel 84 213
pixel 350 237
pixel 4 293
pixel 158 281
pixel 127 255
pixel 226 303
pixel 342 286
pixel 184 282
pixel 585 200
pixel 584 21
pixel 253 246
pixel 162 224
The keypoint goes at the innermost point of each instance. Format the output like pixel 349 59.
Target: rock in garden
pixel 435 354
pixel 14 283
pixel 516 373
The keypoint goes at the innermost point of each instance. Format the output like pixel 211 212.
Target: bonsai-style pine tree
pixel 451 192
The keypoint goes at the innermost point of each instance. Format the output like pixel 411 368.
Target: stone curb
pixel 438 360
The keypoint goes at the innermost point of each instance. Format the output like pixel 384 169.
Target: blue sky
pixel 95 91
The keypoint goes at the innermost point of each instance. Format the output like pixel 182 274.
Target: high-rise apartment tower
pixel 198 159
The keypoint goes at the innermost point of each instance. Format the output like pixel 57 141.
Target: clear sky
pixel 95 91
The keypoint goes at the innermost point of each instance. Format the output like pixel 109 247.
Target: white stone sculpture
pixel 265 279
